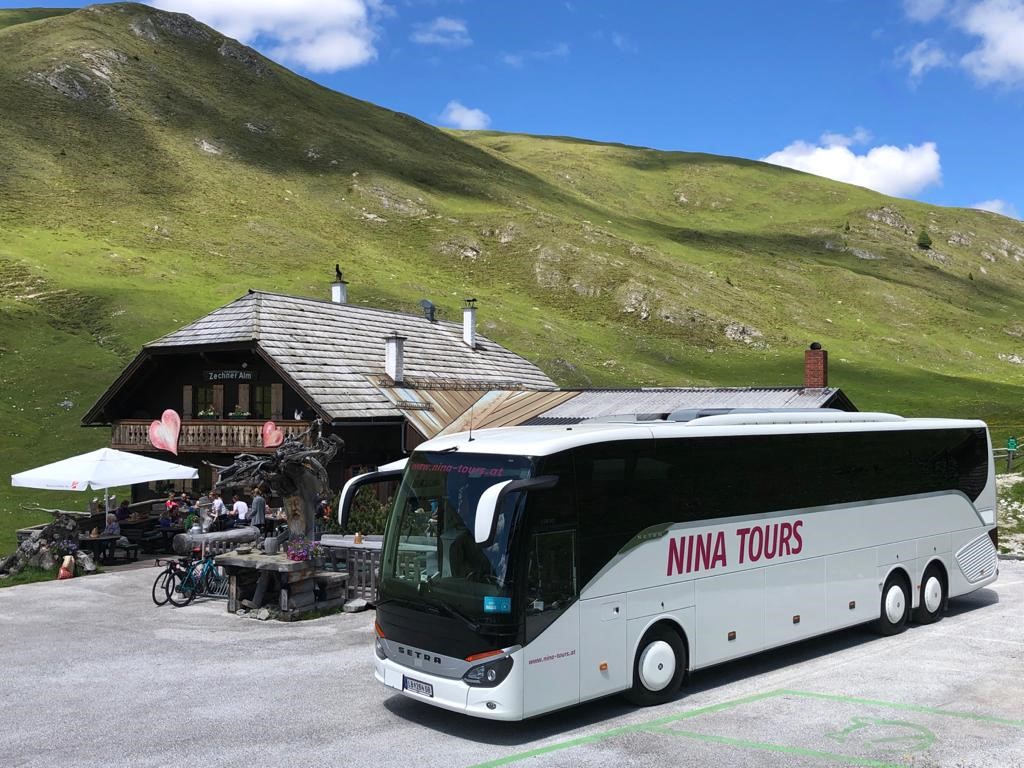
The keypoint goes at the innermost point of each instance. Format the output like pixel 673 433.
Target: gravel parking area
pixel 99 676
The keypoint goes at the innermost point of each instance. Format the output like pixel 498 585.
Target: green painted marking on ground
pixel 658 726
pixel 905 707
pixel 781 748
pixel 623 729
pixel 918 740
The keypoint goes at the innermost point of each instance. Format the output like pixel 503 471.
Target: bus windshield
pixel 430 554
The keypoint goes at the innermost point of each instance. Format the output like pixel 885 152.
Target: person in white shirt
pixel 217 512
pixel 240 510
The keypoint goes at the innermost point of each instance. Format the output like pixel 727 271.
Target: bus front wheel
pixel 658 668
pixel 933 596
pixel 895 608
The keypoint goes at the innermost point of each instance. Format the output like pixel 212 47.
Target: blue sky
pixel 916 98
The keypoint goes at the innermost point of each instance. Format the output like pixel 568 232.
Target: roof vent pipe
pixel 815 367
pixel 469 323
pixel 394 357
pixel 339 288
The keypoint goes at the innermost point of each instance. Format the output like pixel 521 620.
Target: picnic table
pixel 101 547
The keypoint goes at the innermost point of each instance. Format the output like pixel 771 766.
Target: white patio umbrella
pixel 104 469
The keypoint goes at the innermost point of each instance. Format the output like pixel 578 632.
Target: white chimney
pixel 394 358
pixel 469 323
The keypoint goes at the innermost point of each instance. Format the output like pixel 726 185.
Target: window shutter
pixel 276 401
pixel 243 397
pixel 218 400
pixel 186 401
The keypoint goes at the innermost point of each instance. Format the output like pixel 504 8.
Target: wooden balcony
pixel 204 435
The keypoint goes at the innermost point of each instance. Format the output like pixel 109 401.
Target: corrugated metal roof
pixel 335 352
pixel 609 402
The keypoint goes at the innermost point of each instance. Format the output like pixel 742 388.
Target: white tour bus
pixel 532 568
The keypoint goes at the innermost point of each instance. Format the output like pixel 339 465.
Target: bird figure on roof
pixel 337 272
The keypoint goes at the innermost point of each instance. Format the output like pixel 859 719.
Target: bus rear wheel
pixel 933 596
pixel 895 608
pixel 658 668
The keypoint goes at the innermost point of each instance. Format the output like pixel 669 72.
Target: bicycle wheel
pixel 183 590
pixel 160 584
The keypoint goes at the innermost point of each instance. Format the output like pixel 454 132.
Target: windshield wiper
pixel 426 589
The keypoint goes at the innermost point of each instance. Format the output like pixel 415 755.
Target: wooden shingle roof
pixel 334 353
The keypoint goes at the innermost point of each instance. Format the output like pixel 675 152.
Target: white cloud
pixel 923 10
pixel 887 169
pixel 1000 25
pixel 460 116
pixel 520 58
pixel 922 57
pixel 1001 207
pixel 450 33
pixel 316 35
pixel 859 136
pixel 623 43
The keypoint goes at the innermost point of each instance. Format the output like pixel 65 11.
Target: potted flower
pixel 299 549
pixel 206 413
pixel 238 413
pixel 318 554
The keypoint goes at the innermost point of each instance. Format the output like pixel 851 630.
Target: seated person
pixel 112 529
pixel 165 519
pixel 123 513
pixel 187 505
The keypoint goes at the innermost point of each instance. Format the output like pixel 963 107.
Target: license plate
pixel 423 689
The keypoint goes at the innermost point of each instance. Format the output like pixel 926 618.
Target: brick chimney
pixel 394 357
pixel 469 323
pixel 815 367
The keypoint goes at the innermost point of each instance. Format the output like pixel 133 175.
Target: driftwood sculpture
pixel 295 471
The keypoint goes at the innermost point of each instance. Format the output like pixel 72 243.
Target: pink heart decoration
pixel 163 434
pixel 273 435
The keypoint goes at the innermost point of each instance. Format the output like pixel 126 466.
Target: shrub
pixel 369 514
pixel 924 242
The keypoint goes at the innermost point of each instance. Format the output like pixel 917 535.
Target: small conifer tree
pixel 924 242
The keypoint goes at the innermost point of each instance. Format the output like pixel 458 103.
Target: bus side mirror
pixel 491 500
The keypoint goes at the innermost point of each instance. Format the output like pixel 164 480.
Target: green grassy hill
pixel 152 170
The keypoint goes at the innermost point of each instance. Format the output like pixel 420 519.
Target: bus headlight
pixel 490 674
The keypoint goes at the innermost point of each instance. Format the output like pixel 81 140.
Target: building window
pixel 203 400
pixel 260 405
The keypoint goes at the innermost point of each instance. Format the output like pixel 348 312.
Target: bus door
pixel 550 590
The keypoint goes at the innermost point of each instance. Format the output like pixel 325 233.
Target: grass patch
pixel 29 576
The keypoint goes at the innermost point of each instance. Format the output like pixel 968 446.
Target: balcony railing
pixel 204 435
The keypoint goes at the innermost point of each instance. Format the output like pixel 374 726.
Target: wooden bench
pixel 131 552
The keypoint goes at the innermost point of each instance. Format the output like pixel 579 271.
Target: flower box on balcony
pixel 238 416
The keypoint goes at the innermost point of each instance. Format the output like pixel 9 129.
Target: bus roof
pixel 546 440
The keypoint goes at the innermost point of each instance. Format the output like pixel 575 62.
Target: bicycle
pixel 164 583
pixel 193 578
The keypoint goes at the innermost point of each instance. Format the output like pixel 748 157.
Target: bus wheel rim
pixel 657 665
pixel 895 604
pixel 932 594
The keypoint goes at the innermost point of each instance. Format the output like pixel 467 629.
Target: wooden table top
pixel 264 562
